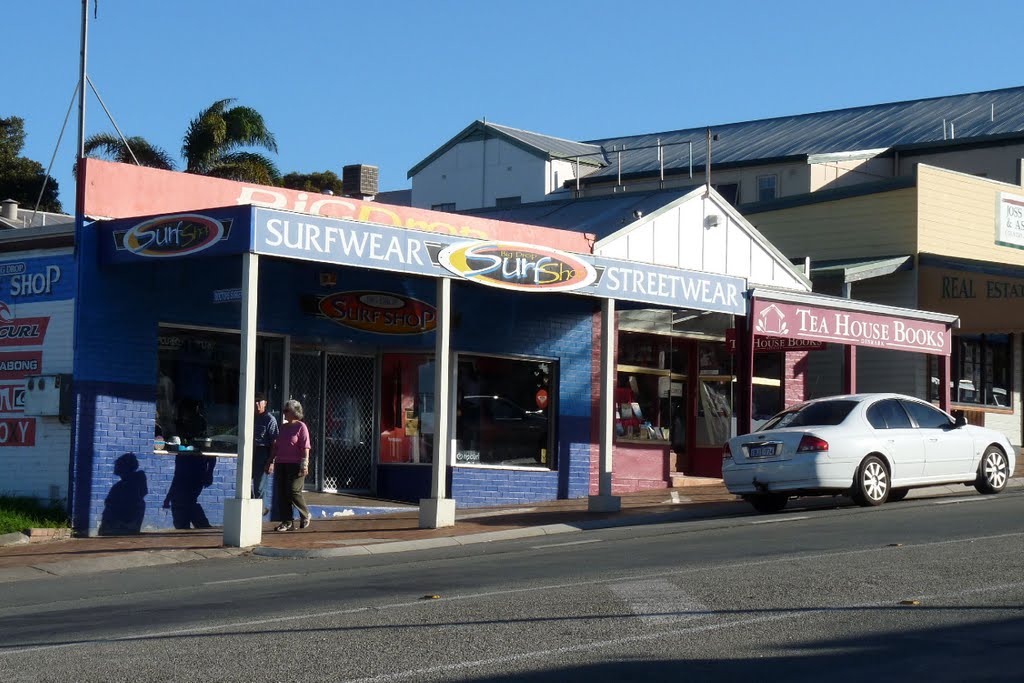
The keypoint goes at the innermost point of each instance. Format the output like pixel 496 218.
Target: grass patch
pixel 18 514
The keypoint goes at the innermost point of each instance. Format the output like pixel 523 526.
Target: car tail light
pixel 812 444
pixel 726 452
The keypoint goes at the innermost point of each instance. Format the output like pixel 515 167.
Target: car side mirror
pixel 959 420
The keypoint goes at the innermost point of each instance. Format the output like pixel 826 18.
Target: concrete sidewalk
pixel 388 533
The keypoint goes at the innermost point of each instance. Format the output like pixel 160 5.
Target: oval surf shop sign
pixel 522 267
pixel 379 312
pixel 177 235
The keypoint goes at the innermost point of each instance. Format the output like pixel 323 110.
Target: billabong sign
pixel 171 236
pixel 521 267
pixel 20 364
pixel 378 312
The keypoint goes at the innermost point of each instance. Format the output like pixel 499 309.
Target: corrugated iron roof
pixel 601 215
pixel 994 112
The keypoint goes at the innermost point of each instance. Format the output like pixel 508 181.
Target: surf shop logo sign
pixel 379 312
pixel 522 267
pixel 169 236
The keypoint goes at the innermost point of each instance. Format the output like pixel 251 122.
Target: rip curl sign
pixel 520 267
pixel 172 236
pixel 379 312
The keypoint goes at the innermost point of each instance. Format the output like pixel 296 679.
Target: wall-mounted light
pixel 711 221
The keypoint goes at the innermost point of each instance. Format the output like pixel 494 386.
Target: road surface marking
pixel 951 501
pixel 249 578
pixel 562 545
pixel 777 520
pixel 657 601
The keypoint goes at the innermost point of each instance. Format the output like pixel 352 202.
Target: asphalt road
pixel 805 595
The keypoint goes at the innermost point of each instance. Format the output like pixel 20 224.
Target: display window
pixel 504 411
pixel 197 387
pixel 407 408
pixel 981 368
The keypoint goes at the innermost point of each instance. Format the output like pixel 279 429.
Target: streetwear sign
pixel 816 323
pixel 506 265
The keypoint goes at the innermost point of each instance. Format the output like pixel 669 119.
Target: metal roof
pixel 912 122
pixel 601 215
pixel 545 145
pixel 857 269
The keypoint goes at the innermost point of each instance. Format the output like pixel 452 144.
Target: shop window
pixel 197 387
pixel 444 206
pixel 650 393
pixel 981 370
pixel 407 408
pixel 505 411
pixel 716 421
pixel 768 397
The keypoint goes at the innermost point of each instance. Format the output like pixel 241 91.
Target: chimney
pixel 359 180
pixel 10 210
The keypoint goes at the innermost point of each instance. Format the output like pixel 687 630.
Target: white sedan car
pixel 875 447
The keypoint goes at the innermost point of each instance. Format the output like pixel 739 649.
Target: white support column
pixel 439 511
pixel 243 515
pixel 604 501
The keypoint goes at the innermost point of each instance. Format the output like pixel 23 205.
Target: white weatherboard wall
pixel 472 176
pixel 39 470
pixel 704 233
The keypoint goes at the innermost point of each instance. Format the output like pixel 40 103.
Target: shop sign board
pixel 774 344
pixel 17 431
pixel 1010 214
pixel 20 364
pixel 817 323
pixel 38 279
pixel 177 235
pixel 378 312
pixel 16 331
pixel 507 265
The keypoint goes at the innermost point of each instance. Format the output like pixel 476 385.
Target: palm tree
pixel 215 140
pixel 110 147
pixel 214 145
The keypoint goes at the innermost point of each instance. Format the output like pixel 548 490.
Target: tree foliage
pixel 313 182
pixel 112 148
pixel 216 143
pixel 21 178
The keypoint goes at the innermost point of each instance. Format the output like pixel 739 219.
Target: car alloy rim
pixel 875 481
pixel 995 470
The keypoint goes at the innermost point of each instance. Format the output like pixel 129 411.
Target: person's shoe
pixel 285 526
pixel 305 522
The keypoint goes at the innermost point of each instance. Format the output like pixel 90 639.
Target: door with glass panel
pixel 306 387
pixel 348 419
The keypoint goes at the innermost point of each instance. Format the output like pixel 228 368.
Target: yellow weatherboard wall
pixel 957 216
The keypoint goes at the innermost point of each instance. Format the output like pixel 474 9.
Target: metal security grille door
pixel 306 387
pixel 348 423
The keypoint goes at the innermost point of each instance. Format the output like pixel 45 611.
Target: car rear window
pixel 820 414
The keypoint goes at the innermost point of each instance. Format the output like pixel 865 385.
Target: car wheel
pixel 872 484
pixel 767 503
pixel 993 472
pixel 896 495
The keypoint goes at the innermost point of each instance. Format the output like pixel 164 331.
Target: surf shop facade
pixel 433 365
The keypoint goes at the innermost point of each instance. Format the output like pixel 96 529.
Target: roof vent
pixel 359 180
pixel 10 210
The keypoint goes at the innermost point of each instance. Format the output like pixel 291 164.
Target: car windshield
pixel 820 414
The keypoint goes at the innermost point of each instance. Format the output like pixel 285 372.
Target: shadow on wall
pixel 125 505
pixel 192 473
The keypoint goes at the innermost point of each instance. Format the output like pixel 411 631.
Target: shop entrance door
pixel 348 423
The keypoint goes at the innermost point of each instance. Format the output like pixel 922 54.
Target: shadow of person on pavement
pixel 125 505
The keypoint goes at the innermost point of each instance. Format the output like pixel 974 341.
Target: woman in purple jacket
pixel 289 456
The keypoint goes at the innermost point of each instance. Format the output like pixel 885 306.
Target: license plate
pixel 762 451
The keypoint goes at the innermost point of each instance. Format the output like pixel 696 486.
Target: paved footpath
pixel 389 533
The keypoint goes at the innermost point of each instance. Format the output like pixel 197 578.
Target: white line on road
pixel 777 520
pixel 562 545
pixel 13 650
pixel 951 501
pixel 249 578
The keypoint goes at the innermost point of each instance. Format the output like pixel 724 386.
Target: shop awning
pixel 855 270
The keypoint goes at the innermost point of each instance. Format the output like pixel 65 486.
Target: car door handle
pixel 933 439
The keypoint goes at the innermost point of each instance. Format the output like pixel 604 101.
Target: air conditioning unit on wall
pixel 48 395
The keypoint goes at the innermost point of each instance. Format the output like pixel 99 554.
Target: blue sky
pixel 387 82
